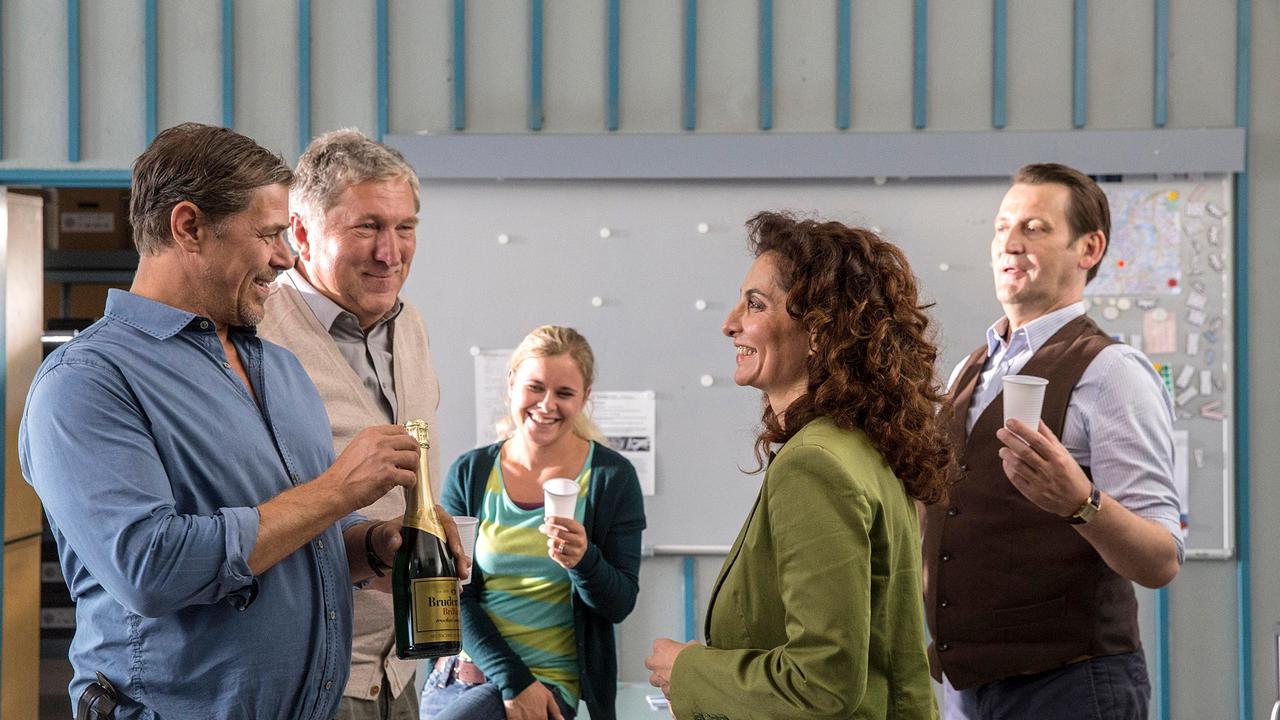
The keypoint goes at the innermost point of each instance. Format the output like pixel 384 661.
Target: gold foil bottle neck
pixel 420 432
pixel 419 505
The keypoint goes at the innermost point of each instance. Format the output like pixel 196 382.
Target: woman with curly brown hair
pixel 818 611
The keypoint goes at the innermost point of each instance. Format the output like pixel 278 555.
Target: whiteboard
pixel 654 252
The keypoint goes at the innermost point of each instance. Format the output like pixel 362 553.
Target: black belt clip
pixel 98 701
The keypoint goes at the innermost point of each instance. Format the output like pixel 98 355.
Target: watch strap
pixel 1088 508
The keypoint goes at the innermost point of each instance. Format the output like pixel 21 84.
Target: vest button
pixel 953 511
pixel 946 556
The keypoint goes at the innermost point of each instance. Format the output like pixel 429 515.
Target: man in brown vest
pixel 1029 567
pixel 353 219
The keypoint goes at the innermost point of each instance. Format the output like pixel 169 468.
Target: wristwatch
pixel 1087 509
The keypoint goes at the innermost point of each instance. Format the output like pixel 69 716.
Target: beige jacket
pixel 289 322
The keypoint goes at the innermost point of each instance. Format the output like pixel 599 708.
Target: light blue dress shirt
pixel 1119 420
pixel 151 457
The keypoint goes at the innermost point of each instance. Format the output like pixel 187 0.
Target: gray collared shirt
pixel 368 354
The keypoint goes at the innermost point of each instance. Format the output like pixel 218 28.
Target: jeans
pixel 445 697
pixel 1113 687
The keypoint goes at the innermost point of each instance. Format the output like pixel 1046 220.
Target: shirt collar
pixel 150 316
pixel 1036 332
pixel 326 310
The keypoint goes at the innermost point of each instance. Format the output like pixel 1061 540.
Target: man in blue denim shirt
pixel 186 467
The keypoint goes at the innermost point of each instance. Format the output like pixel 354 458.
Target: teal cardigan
pixel 818 612
pixel 605 582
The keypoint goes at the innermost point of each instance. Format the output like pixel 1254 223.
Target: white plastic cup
pixel 1023 398
pixel 467 533
pixel 559 497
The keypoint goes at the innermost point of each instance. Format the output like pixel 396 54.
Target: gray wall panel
pixel 112 87
pixel 728 66
pixel 266 56
pixel 497 66
pixel 1202 64
pixel 652 66
pixel 960 33
pixel 1264 338
pixel 420 74
pixel 573 82
pixel 1121 62
pixel 343 65
pixel 804 66
pixel 189 63
pixel 35 83
pixel 1039 65
pixel 881 66
pixel 1202 634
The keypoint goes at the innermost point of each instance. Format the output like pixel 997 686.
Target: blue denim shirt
pixel 150 457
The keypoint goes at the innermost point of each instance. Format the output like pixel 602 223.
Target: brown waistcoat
pixel 1009 588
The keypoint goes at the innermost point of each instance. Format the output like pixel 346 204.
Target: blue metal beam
pixel 844 61
pixel 614 30
pixel 459 64
pixel 73 80
pixel 383 50
pixel 766 64
pixel 689 99
pixel 1162 652
pixel 690 625
pixel 999 61
pixel 70 177
pixel 304 74
pixel 919 65
pixel 1079 69
pixel 1162 64
pixel 535 65
pixel 150 52
pixel 1240 289
pixel 228 63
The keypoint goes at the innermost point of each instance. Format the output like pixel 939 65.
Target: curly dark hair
pixel 872 365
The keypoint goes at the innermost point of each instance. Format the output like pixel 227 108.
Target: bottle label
pixel 435 610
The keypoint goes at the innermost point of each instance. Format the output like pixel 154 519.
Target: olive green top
pixel 818 611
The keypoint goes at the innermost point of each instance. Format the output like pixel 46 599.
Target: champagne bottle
pixel 424 587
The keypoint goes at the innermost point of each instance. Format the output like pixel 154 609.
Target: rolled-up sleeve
pixel 1127 415
pixel 86 447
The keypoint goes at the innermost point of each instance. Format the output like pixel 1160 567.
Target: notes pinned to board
pixel 1159 331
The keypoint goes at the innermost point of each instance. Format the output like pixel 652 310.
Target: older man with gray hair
pixel 354 218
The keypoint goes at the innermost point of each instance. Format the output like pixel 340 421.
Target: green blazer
pixel 818 611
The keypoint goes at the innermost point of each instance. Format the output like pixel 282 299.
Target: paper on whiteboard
pixel 491 392
pixel 1181 471
pixel 1159 332
pixel 627 419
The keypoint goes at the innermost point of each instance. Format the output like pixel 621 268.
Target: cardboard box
pixel 87 219
pixel 86 300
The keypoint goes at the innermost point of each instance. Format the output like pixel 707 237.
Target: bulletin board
pixel 1165 287
pixel 647 270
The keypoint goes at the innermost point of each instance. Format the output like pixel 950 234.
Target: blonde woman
pixel 538 617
